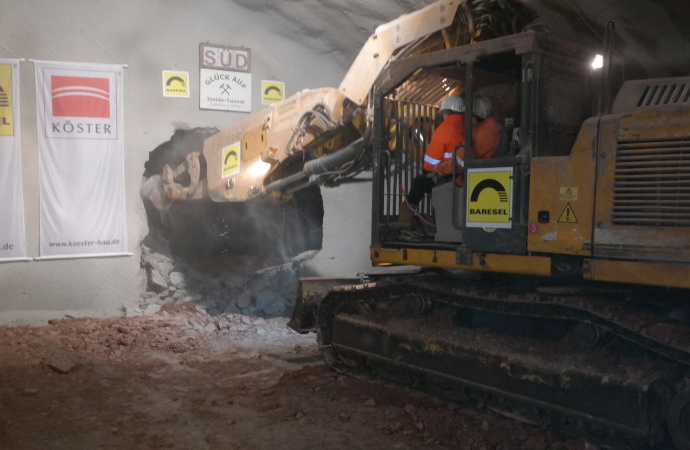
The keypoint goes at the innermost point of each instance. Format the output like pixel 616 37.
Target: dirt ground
pixel 184 380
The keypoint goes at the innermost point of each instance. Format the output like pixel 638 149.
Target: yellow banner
pixel 6 118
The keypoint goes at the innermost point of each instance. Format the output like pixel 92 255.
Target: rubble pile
pixel 236 285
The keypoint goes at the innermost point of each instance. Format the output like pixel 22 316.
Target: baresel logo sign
pixel 6 119
pixel 231 159
pixel 489 197
pixel 272 92
pixel 175 84
pixel 80 105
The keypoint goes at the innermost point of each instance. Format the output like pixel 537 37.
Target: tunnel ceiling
pixel 653 36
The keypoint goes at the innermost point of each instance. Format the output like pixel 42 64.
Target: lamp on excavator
pixel 259 168
pixel 598 62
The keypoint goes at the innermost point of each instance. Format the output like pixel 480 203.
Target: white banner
pixel 12 238
pixel 81 159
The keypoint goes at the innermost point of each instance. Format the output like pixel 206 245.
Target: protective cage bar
pixel 408 129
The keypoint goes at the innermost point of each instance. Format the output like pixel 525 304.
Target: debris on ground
pixel 182 379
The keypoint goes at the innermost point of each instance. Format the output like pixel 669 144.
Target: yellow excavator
pixel 204 184
pixel 553 286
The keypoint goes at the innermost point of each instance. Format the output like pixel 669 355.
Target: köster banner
pixel 12 238
pixel 81 159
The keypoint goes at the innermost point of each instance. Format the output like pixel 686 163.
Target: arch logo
pixel 272 92
pixel 175 84
pixel 231 159
pixel 489 197
pixel 80 96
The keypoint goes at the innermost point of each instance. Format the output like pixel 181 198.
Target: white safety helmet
pixel 481 107
pixel 454 104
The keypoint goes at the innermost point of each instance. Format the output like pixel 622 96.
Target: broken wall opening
pixel 232 257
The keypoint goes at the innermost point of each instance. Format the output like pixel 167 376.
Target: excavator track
pixel 593 363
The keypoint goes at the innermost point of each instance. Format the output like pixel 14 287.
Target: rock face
pixel 651 37
pixel 229 284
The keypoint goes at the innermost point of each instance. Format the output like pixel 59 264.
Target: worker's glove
pixel 433 176
pixel 444 168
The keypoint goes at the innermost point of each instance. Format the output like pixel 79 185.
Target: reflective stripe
pixel 431 160
pixel 459 161
pixel 447 155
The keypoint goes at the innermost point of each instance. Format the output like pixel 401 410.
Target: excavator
pixel 550 286
pixel 204 183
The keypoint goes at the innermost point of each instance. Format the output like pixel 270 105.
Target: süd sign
pixel 213 56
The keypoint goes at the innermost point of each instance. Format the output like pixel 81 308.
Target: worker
pixel 486 131
pixel 486 134
pixel 449 134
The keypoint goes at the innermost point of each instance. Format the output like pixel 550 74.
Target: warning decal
pixel 567 193
pixel 489 197
pixel 231 159
pixel 568 215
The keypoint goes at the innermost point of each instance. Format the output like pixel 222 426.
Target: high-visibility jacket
pixel 447 136
pixel 485 137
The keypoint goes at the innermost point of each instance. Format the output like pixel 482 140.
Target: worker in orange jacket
pixel 446 138
pixel 486 134
pixel 449 134
pixel 486 131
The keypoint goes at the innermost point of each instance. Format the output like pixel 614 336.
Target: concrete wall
pixel 148 36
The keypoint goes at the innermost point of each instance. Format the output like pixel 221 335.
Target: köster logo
pixel 80 96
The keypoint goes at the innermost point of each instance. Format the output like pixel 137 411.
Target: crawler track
pixel 594 364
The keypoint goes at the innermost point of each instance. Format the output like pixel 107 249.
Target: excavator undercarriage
pixel 595 362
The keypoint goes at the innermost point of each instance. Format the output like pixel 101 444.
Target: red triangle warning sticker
pixel 568 215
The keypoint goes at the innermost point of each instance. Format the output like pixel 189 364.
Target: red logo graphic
pixel 80 96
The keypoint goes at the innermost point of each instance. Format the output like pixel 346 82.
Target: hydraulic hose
pixel 319 166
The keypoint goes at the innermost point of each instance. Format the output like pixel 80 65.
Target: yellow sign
pixel 272 92
pixel 568 215
pixel 231 159
pixel 175 84
pixel 489 197
pixel 567 193
pixel 6 117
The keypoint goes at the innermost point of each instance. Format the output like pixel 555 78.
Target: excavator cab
pixel 540 89
pixel 579 191
pixel 586 198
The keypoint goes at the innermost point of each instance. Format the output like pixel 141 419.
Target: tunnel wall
pixel 148 37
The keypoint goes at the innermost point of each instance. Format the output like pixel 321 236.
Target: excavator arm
pixel 264 156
